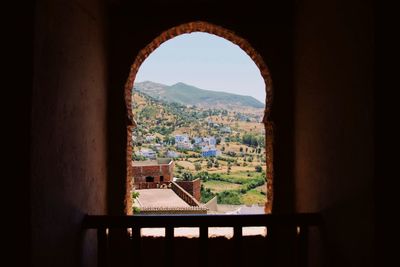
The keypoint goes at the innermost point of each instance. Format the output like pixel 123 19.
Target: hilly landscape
pixel 192 96
pixel 235 172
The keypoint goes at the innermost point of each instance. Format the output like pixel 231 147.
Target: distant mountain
pixel 192 96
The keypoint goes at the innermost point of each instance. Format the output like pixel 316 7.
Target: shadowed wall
pixel 320 60
pixel 68 153
pixel 334 125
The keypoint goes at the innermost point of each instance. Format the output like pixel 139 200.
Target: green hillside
pixel 191 95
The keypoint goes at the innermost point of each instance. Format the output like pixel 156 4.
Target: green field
pixel 253 196
pixel 219 186
pixel 236 188
pixel 240 175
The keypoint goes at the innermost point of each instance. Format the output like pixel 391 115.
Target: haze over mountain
pixel 192 96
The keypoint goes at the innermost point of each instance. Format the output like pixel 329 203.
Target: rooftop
pixel 161 198
pixel 158 161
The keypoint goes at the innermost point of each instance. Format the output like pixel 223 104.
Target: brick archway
pixel 201 26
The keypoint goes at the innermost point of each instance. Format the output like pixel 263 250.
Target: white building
pixel 226 129
pixel 172 154
pixel 210 141
pixel 181 138
pixel 197 140
pixel 157 146
pixel 150 138
pixel 210 151
pixel 184 145
pixel 148 153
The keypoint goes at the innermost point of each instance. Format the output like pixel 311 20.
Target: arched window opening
pixel 209 147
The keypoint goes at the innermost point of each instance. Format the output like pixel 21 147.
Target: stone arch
pixel 201 26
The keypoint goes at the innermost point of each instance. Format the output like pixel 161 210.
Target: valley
pixel 223 145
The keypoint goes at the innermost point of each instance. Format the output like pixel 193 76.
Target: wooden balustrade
pixel 300 223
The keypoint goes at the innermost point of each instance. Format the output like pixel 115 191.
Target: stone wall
pixel 151 185
pixel 192 187
pixel 141 172
pixel 183 194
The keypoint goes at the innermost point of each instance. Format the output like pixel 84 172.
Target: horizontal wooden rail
pixel 200 220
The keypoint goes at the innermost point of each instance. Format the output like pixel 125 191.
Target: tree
pixel 202 175
pixel 216 164
pixel 218 140
pixel 187 176
pixel 209 164
pixel 229 168
pixel 206 194
pixel 197 166
pixel 135 195
pixel 170 140
pixel 258 168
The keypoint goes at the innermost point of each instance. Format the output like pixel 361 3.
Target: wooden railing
pixel 298 225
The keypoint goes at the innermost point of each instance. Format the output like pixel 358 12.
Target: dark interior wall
pixel 68 152
pixel 320 59
pixel 17 59
pixel 334 156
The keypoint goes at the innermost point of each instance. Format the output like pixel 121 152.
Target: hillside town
pixel 206 160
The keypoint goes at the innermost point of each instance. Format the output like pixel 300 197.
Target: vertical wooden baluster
pixel 203 246
pixel 102 247
pixel 268 251
pixel 238 236
pixel 303 250
pixel 169 251
pixel 136 246
pixel 297 247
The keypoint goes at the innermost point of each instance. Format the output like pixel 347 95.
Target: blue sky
pixel 205 61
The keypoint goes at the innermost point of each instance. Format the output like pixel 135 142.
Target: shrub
pixel 216 164
pixel 134 195
pixel 187 176
pixel 258 168
pixel 209 164
pixel 229 197
pixel 202 175
pixel 197 166
pixel 206 194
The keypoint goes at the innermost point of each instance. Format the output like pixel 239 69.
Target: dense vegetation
pixel 232 196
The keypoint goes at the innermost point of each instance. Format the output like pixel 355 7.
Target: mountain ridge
pixel 193 96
